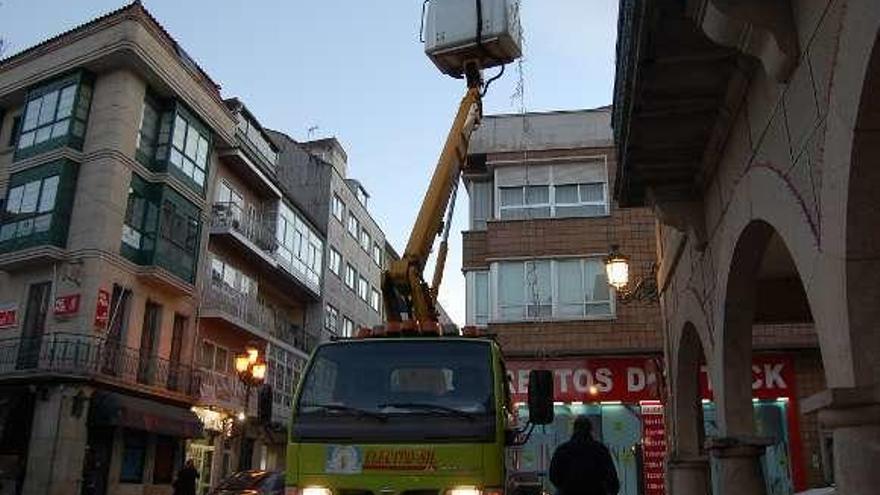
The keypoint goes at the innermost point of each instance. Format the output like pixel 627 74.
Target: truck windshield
pixel 381 385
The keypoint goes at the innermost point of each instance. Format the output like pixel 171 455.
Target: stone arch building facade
pixel 753 130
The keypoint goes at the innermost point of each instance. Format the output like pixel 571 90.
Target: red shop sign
pixel 7 316
pixel 66 305
pixel 102 309
pixel 772 377
pixel 591 379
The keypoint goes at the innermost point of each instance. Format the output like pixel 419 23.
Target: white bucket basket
pixel 451 34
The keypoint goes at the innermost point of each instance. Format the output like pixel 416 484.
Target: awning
pixel 110 408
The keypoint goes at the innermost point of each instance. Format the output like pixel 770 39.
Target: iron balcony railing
pixel 249 224
pixel 94 357
pixel 248 309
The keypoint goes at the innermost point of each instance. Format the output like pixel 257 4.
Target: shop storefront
pixel 621 396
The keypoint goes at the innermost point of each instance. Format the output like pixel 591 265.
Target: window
pixel 338 208
pixel 257 140
pixel 524 202
pixel 580 200
pixel 524 289
pixel 544 191
pixel 481 204
pixel 375 299
pixel 13 133
pixel 283 373
pixel 361 195
pixel 299 247
pixel 134 453
pixel 350 276
pixel 366 240
pixel 232 278
pixel 55 115
pixel 364 289
pixel 377 254
pixel 347 327
pixel 161 227
pixel 477 283
pixel 37 206
pixel 331 319
pixel 354 226
pixel 215 358
pixel 190 146
pixel 30 205
pixel 335 262
pixel 148 133
pixel 570 288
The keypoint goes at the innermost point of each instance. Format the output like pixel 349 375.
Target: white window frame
pixel 551 182
pixel 375 299
pixel 363 289
pixel 350 270
pixel 338 208
pixel 377 254
pixel 354 226
pixel 331 311
pixel 494 303
pixel 335 262
pixel 366 240
pixel 347 327
pixel 471 316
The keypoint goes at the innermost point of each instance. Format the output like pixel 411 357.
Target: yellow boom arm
pixel 407 297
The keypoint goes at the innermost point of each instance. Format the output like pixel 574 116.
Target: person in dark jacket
pixel 583 466
pixel 185 484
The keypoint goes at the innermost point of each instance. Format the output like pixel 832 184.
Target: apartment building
pixel 144 242
pixel 316 174
pixel 541 222
pixel 262 273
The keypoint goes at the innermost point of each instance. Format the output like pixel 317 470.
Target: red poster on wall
pixel 102 309
pixel 8 316
pixel 66 305
pixel 653 449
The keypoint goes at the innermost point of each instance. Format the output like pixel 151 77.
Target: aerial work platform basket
pixel 457 32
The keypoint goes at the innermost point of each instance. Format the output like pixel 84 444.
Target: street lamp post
pixel 251 370
pixel 617 271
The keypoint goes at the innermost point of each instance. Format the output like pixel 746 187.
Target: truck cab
pixel 401 416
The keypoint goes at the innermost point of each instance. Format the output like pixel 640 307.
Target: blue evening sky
pixel 356 70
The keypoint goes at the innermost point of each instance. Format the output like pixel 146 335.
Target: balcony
pixel 246 232
pixel 247 313
pixel 225 391
pixel 88 357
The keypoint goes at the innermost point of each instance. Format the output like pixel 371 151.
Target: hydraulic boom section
pixel 410 304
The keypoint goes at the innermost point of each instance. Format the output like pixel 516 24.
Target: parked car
pixel 252 482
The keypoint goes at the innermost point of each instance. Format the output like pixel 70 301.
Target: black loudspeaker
pixel 540 397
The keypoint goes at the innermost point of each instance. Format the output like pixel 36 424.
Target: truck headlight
pixel 463 490
pixel 316 490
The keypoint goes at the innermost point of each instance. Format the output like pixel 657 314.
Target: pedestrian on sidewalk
pixel 185 484
pixel 583 466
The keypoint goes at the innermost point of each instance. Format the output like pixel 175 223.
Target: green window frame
pixel 161 228
pixel 171 138
pixel 55 115
pixel 37 206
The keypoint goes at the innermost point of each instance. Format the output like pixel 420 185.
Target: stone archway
pixel 759 265
pixel 688 467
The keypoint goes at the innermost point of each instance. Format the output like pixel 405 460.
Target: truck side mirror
pixel 540 397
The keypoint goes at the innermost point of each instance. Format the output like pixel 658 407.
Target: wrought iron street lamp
pixel 617 271
pixel 251 370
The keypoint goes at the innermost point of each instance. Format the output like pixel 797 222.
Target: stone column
pixel 688 475
pixel 58 440
pixel 739 464
pixel 856 447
